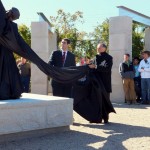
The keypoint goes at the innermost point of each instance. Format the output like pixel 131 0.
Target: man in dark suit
pixel 62 58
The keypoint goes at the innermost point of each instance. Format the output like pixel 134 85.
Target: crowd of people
pixel 136 78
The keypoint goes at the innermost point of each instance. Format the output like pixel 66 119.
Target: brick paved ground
pixel 128 129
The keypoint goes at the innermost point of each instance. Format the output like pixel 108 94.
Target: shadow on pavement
pixel 71 140
pixel 75 140
pixel 118 133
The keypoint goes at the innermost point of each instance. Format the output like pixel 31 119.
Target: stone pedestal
pixel 120 42
pixel 35 112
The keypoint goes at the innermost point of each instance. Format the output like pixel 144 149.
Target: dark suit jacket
pixel 56 59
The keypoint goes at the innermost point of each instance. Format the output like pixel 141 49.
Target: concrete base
pixel 35 112
pixel 31 134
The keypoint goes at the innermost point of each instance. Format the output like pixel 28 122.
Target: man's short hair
pixel 67 40
pixel 146 52
pixel 127 54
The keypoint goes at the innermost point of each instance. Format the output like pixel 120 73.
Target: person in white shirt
pixel 144 69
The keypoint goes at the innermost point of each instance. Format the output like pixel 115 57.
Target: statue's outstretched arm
pixel 2 17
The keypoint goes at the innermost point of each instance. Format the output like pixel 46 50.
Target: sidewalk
pixel 129 129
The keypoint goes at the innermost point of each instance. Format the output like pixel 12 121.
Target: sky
pixel 94 11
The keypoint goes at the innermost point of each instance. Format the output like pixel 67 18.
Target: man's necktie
pixel 63 57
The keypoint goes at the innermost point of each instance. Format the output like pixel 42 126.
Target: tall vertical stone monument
pixel 120 42
pixel 43 41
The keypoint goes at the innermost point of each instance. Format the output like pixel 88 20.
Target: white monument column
pixel 42 42
pixel 120 42
pixel 147 39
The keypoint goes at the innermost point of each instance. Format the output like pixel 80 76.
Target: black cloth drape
pixel 13 41
pixel 93 105
pixel 91 100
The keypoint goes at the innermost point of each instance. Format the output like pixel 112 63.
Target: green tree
pixel 85 48
pixel 137 39
pixel 65 26
pixel 101 34
pixel 26 35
